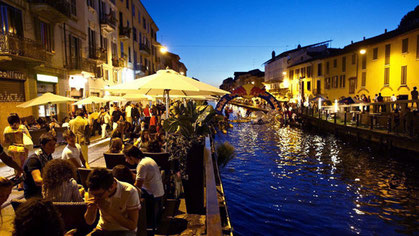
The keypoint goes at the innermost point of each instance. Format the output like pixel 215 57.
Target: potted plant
pixel 188 126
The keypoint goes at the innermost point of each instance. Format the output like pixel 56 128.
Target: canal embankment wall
pixel 383 138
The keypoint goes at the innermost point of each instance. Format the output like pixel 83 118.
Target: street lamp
pixel 163 49
pixel 362 51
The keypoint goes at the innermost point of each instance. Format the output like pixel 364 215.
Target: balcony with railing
pixel 108 23
pixel 100 54
pixel 145 49
pixel 22 48
pixel 118 62
pixel 124 33
pixel 77 65
pixel 55 11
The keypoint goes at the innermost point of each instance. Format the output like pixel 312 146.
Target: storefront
pixel 12 86
pixel 46 84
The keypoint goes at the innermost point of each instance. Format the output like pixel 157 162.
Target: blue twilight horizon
pixel 217 38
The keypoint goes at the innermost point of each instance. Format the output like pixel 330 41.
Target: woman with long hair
pixel 59 184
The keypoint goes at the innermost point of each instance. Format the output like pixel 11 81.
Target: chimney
pixel 364 37
pixel 385 30
pixel 352 42
pixel 273 54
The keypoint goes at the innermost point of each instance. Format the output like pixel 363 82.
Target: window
pixel 308 85
pixel 122 50
pixel 303 72
pixel 417 47
pixel 387 54
pixel 364 79
pixel 139 16
pixel 127 4
pixel 133 9
pixel 386 76
pixel 319 69
pixel 44 34
pixel 73 7
pixel 134 33
pixel 297 73
pixel 335 81
pixel 291 74
pixel 327 68
pixel 404 75
pixel 405 45
pixel 327 83
pixel 144 23
pixel 74 52
pixel 353 59
pixel 92 43
pixel 335 63
pixel 375 53
pixel 129 54
pixel 114 50
pixel 342 81
pixel 11 20
pixel 343 64
pixel 364 61
pixel 309 71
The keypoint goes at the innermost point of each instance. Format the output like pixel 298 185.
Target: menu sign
pixel 12 75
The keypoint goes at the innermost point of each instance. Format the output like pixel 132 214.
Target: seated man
pixel 32 168
pixel 72 151
pixel 148 179
pixel 117 202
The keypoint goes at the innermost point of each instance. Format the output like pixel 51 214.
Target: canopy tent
pixel 90 100
pixel 46 98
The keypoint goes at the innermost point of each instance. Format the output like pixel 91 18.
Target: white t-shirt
pixel 72 152
pixel 125 199
pixel 148 170
pixel 128 111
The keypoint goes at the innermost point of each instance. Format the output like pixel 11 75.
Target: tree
pixel 410 18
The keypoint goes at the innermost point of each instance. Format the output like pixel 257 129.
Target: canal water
pixel 285 181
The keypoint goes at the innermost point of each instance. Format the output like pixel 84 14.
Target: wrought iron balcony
pixel 82 64
pixel 144 49
pixel 55 11
pixel 100 54
pixel 108 23
pixel 22 48
pixel 124 32
pixel 118 62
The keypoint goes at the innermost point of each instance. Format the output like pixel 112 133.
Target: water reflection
pixel 316 184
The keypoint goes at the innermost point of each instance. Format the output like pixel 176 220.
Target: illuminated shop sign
pixel 47 78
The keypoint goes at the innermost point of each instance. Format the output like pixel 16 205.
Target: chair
pixel 72 214
pixel 35 135
pixel 161 158
pixel 82 174
pixel 114 159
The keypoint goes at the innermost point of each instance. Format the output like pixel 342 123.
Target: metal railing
pixel 145 48
pixel 125 31
pixel 60 5
pixel 12 44
pixel 396 117
pixel 109 19
pixel 82 64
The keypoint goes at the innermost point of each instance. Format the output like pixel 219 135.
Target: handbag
pixel 27 142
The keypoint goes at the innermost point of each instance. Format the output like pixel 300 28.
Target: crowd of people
pixel 116 193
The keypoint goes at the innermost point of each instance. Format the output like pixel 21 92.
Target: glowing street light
pixel 163 49
pixel 362 51
pixel 284 73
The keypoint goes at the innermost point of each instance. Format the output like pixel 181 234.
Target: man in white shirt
pixel 393 99
pixel 128 115
pixel 72 151
pixel 118 204
pixel 148 179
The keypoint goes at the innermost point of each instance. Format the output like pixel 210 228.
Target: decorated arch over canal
pixel 247 91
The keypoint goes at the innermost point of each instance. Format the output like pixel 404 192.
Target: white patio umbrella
pixel 46 98
pixel 137 97
pixel 90 100
pixel 114 98
pixel 165 82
